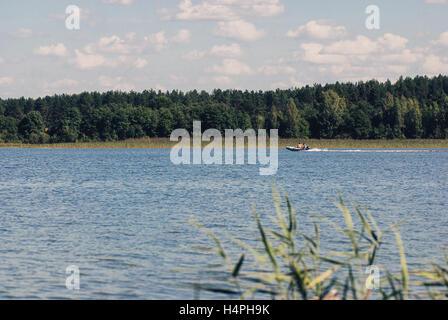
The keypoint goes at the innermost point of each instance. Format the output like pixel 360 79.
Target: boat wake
pixel 366 150
pixel 318 150
pixel 371 151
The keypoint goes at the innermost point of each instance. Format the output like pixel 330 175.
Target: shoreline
pixel 164 143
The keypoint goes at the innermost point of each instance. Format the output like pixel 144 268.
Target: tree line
pixel 409 108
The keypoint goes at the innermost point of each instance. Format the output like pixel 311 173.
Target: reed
pixel 314 143
pixel 289 264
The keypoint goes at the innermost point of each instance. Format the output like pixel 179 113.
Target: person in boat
pixel 302 146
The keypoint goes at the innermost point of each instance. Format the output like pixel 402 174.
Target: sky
pixel 205 44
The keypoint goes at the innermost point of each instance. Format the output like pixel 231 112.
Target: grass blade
pixel 403 264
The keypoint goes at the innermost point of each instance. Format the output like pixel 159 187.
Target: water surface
pixel 122 215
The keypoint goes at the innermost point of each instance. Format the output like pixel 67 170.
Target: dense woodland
pixel 410 108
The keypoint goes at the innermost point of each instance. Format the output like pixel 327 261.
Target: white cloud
pixel 362 57
pixel 110 52
pixel 222 80
pixel 194 55
pixel 223 9
pixel 313 52
pixel 90 61
pixel 124 2
pixel 348 70
pixel 435 65
pixel 140 63
pixel 268 8
pixel 360 46
pixel 6 81
pixel 112 44
pixel 327 51
pixel 318 30
pixel 159 41
pixel 443 39
pixel 363 46
pixel 63 83
pixel 115 83
pixel 131 36
pixel 107 81
pixel 207 10
pixel 292 83
pixel 177 79
pixel 231 67
pixel 53 50
pixel 183 36
pixel 23 33
pixel 436 1
pixel 271 70
pixel 392 42
pixel 2 60
pixel 230 51
pixel 398 69
pixel 406 56
pixel 239 29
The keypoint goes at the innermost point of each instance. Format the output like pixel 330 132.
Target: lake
pixel 122 215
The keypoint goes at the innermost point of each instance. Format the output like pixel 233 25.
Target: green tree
pixel 357 124
pixel 408 108
pixel 331 114
pixel 431 121
pixel 413 119
pixel 151 122
pixel 121 124
pixel 273 119
pixel 294 125
pixel 393 117
pixel 243 121
pixel 67 128
pixel 166 122
pixel 9 131
pixel 31 126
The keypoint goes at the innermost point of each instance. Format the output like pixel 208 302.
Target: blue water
pixel 122 215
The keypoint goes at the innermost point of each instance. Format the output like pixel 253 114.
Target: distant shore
pixel 149 143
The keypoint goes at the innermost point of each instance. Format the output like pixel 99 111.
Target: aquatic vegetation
pixel 314 143
pixel 289 263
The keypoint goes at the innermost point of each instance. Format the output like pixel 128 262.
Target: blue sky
pixel 207 44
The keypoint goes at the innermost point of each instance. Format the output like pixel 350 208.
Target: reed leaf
pixel 322 277
pixel 349 223
pixel 289 264
pixel 267 244
pixel 403 264
pixel 238 266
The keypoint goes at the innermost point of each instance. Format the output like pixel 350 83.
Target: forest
pixel 412 108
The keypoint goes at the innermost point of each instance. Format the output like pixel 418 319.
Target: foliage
pixel 31 127
pixel 9 129
pixel 410 108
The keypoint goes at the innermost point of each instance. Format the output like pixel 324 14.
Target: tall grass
pixel 314 143
pixel 289 263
